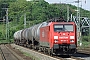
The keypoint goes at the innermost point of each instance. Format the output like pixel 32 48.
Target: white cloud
pixel 28 0
pixel 85 6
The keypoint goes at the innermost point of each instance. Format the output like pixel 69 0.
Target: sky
pixel 82 4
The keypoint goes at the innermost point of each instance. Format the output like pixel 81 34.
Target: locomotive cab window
pixel 63 27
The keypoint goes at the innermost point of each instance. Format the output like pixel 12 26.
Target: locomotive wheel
pixel 51 52
pixel 41 49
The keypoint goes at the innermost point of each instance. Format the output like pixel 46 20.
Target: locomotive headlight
pixel 55 37
pixel 71 37
pixel 55 41
pixel 71 41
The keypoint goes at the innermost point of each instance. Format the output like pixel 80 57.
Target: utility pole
pixel 67 13
pixel 25 20
pixel 78 26
pixel 71 17
pixel 5 7
pixel 78 21
pixel 3 26
pixel 7 31
pixel 7 24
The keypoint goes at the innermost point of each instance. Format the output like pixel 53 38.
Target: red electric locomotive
pixel 59 37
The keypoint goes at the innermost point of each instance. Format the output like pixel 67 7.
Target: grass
pixel 6 41
pixel 85 44
pixel 2 27
pixel 31 56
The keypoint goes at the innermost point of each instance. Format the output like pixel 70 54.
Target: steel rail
pixel 2 54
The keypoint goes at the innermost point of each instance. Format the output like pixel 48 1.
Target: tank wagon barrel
pixel 30 35
pixel 34 31
pixel 24 34
pixel 17 36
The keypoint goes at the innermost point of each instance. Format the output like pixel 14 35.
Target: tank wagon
pixel 52 37
pixel 17 37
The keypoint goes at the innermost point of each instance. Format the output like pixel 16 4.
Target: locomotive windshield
pixel 63 27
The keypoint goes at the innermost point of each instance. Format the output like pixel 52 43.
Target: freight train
pixel 52 37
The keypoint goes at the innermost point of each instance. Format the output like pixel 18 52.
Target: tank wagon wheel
pixel 15 42
pixel 40 49
pixel 48 51
pixel 44 50
pixel 35 48
pixel 28 46
pixel 31 46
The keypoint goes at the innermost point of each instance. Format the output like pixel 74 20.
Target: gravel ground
pixel 39 56
pixel 36 55
pixel 0 56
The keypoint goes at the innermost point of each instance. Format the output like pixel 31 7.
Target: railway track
pixel 8 54
pixel 63 57
pixel 66 57
pixel 85 51
pixel 2 57
pixel 45 56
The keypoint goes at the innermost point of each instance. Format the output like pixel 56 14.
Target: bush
pixel 86 38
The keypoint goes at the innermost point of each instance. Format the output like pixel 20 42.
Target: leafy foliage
pixel 36 12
